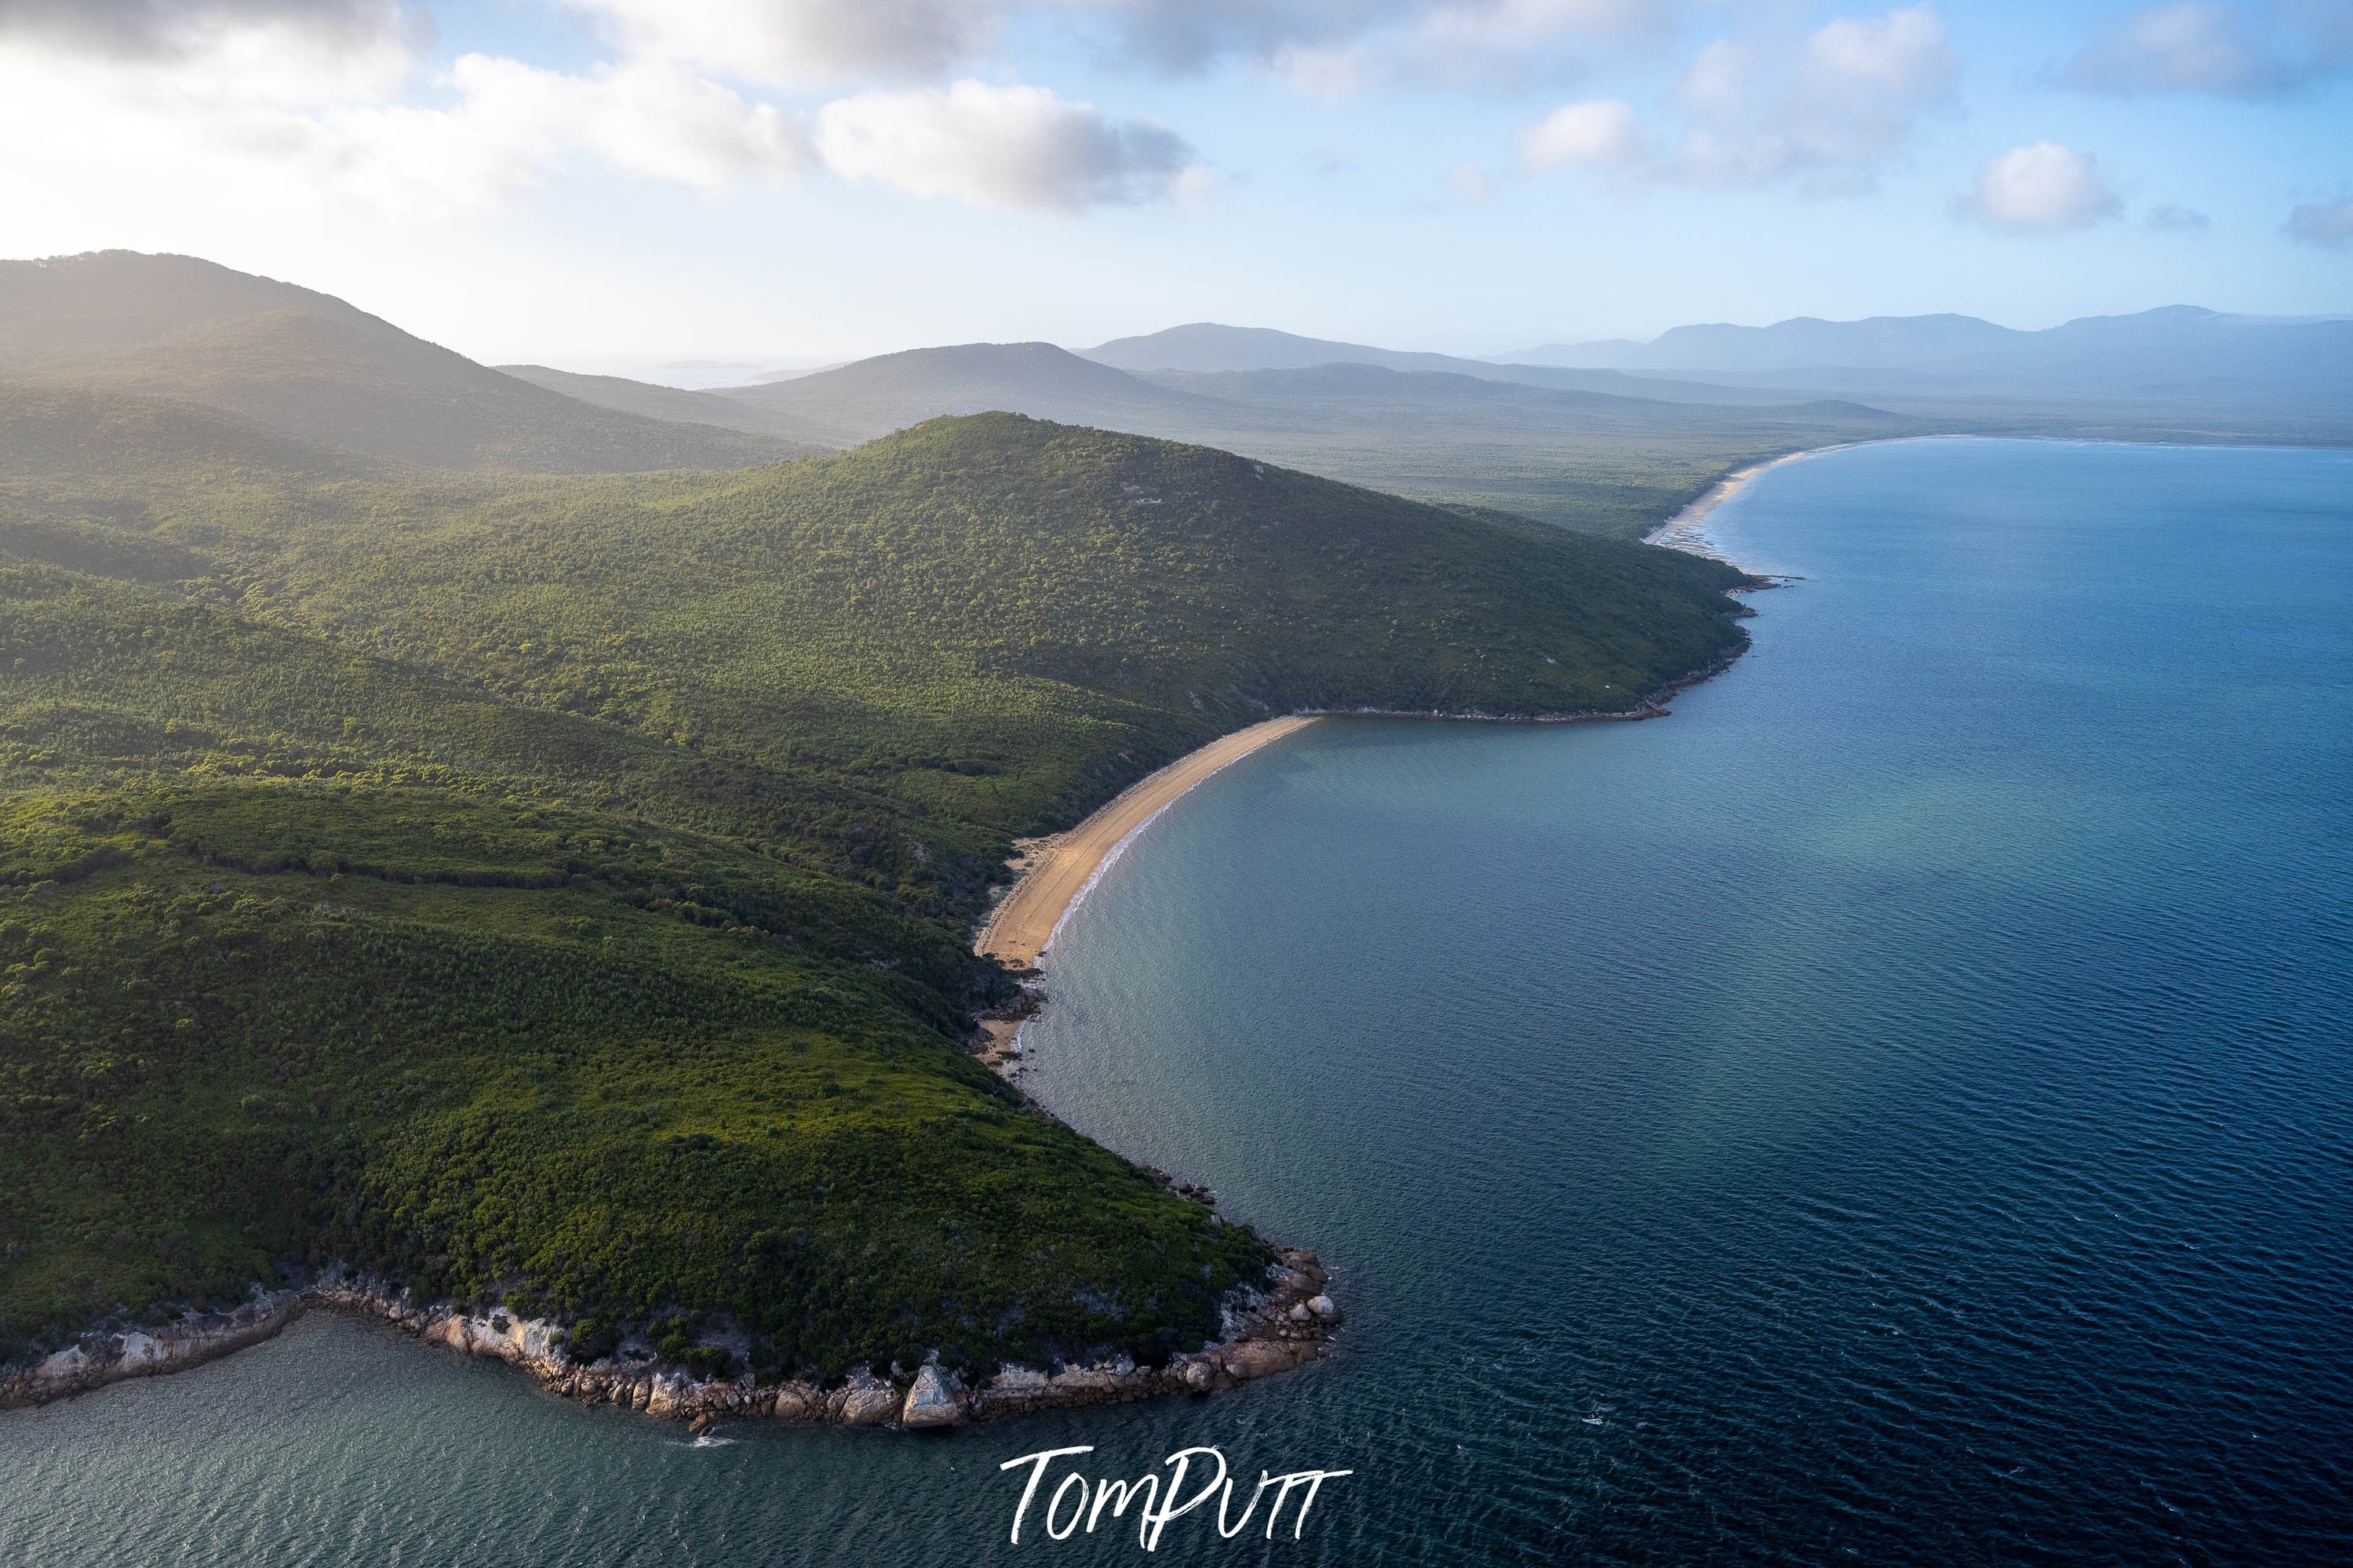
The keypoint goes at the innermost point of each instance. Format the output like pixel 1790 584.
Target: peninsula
pixel 548 901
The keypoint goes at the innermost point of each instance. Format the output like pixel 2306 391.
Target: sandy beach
pixel 1057 870
pixel 1683 530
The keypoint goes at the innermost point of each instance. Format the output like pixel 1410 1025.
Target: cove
pixel 1897 1108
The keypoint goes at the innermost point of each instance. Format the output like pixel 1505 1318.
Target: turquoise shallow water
pixel 1898 1109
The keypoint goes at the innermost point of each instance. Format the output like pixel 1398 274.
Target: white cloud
pixel 1598 133
pixel 1859 87
pixel 258 113
pixel 2205 46
pixel 661 121
pixel 256 107
pixel 1830 111
pixel 1002 146
pixel 2045 188
pixel 2331 226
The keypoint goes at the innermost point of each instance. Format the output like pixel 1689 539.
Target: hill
pixel 310 365
pixel 1595 461
pixel 1208 348
pixel 1800 342
pixel 555 892
pixel 874 396
pixel 676 405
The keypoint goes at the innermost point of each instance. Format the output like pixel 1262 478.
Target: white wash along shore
pixel 1265 1331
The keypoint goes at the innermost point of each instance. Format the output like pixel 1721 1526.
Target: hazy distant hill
pixel 1208 348
pixel 1594 461
pixel 307 364
pixel 1885 341
pixel 673 404
pixel 1603 462
pixel 2182 354
pixel 873 397
pixel 1330 388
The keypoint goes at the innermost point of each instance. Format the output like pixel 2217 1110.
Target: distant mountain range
pixel 1206 348
pixel 2182 353
pixel 309 365
pixel 1882 341
pixel 1610 441
pixel 1530 441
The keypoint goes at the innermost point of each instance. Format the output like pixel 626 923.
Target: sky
pixel 690 189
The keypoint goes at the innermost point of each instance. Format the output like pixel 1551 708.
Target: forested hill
pixel 557 891
pixel 309 365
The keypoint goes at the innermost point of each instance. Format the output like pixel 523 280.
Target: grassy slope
pixel 558 889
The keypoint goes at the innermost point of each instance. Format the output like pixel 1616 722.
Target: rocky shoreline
pixel 1265 1331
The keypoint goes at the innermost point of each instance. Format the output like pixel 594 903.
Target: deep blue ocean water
pixel 1898 1109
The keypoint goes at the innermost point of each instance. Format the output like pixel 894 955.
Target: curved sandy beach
pixel 1683 530
pixel 1057 870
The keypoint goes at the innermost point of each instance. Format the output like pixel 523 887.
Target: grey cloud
pixel 804 40
pixel 2329 226
pixel 2171 218
pixel 1188 34
pixel 1434 43
pixel 2211 46
pixel 1002 146
pixel 169 29
pixel 912 40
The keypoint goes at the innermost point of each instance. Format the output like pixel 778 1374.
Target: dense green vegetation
pixel 557 891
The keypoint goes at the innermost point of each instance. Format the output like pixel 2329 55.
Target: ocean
pixel 1899 1108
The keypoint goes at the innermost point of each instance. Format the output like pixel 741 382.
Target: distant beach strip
pixel 1057 871
pixel 1683 531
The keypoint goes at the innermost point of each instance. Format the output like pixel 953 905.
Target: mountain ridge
pixel 313 366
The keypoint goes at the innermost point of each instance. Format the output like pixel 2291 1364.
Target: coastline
pixel 1683 531
pixel 1279 1324
pixel 1265 1332
pixel 1056 873
pixel 1053 875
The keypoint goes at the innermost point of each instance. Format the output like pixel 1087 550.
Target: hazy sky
pixel 612 184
